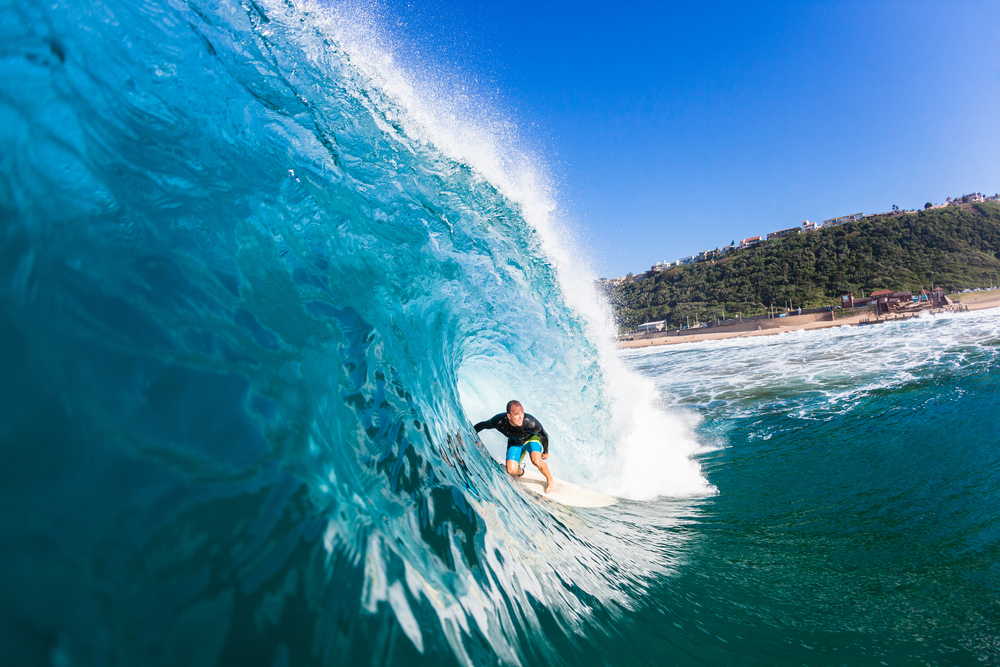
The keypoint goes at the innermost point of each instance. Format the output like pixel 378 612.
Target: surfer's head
pixel 515 413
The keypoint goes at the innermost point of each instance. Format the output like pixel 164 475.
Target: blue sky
pixel 671 128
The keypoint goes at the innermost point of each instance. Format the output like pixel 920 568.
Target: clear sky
pixel 675 127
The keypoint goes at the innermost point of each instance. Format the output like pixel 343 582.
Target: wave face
pixel 254 297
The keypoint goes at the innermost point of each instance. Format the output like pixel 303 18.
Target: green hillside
pixel 954 247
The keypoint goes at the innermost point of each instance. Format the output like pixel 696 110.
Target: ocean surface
pixel 257 282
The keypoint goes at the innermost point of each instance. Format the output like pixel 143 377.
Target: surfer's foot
pixel 550 486
pixel 520 471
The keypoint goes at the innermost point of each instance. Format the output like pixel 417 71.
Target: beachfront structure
pixel 782 233
pixel 843 220
pixel 810 226
pixel 687 260
pixel 750 242
pixel 883 296
pixel 650 327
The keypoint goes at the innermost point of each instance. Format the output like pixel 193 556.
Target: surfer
pixel 524 433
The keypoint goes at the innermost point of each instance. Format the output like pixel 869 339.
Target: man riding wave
pixel 524 434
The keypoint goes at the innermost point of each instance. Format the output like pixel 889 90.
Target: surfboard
pixel 564 492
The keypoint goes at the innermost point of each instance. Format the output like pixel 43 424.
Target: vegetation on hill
pixel 954 247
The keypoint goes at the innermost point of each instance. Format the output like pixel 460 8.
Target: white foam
pixel 818 374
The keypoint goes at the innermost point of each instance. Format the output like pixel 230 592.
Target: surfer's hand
pixel 545 455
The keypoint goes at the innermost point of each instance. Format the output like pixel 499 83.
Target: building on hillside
pixel 780 234
pixel 970 198
pixel 994 198
pixel 650 327
pixel 750 242
pixel 810 226
pixel 843 220
pixel 687 260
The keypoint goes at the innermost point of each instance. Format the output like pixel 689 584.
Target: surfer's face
pixel 516 415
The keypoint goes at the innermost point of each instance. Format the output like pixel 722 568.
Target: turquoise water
pixel 856 520
pixel 257 284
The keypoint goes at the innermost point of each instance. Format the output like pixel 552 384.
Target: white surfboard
pixel 564 492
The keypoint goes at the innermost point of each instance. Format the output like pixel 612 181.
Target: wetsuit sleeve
pixel 545 438
pixel 489 423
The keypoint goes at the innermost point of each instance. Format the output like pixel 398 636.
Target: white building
pixel 664 265
pixel 969 198
pixel 844 219
pixel 782 233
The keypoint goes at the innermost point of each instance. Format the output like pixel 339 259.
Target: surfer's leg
pixel 513 468
pixel 543 467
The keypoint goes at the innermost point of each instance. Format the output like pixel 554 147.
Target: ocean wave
pixel 258 291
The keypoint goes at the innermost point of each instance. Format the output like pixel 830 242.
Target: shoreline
pixel 970 302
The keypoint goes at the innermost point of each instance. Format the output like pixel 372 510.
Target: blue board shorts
pixel 519 452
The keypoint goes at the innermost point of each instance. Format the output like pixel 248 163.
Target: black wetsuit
pixel 516 435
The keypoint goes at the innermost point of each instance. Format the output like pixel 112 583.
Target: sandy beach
pixel 968 301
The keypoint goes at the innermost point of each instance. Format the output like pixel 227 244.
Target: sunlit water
pixel 257 284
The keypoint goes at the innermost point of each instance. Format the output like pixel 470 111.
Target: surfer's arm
pixel 489 423
pixel 545 439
